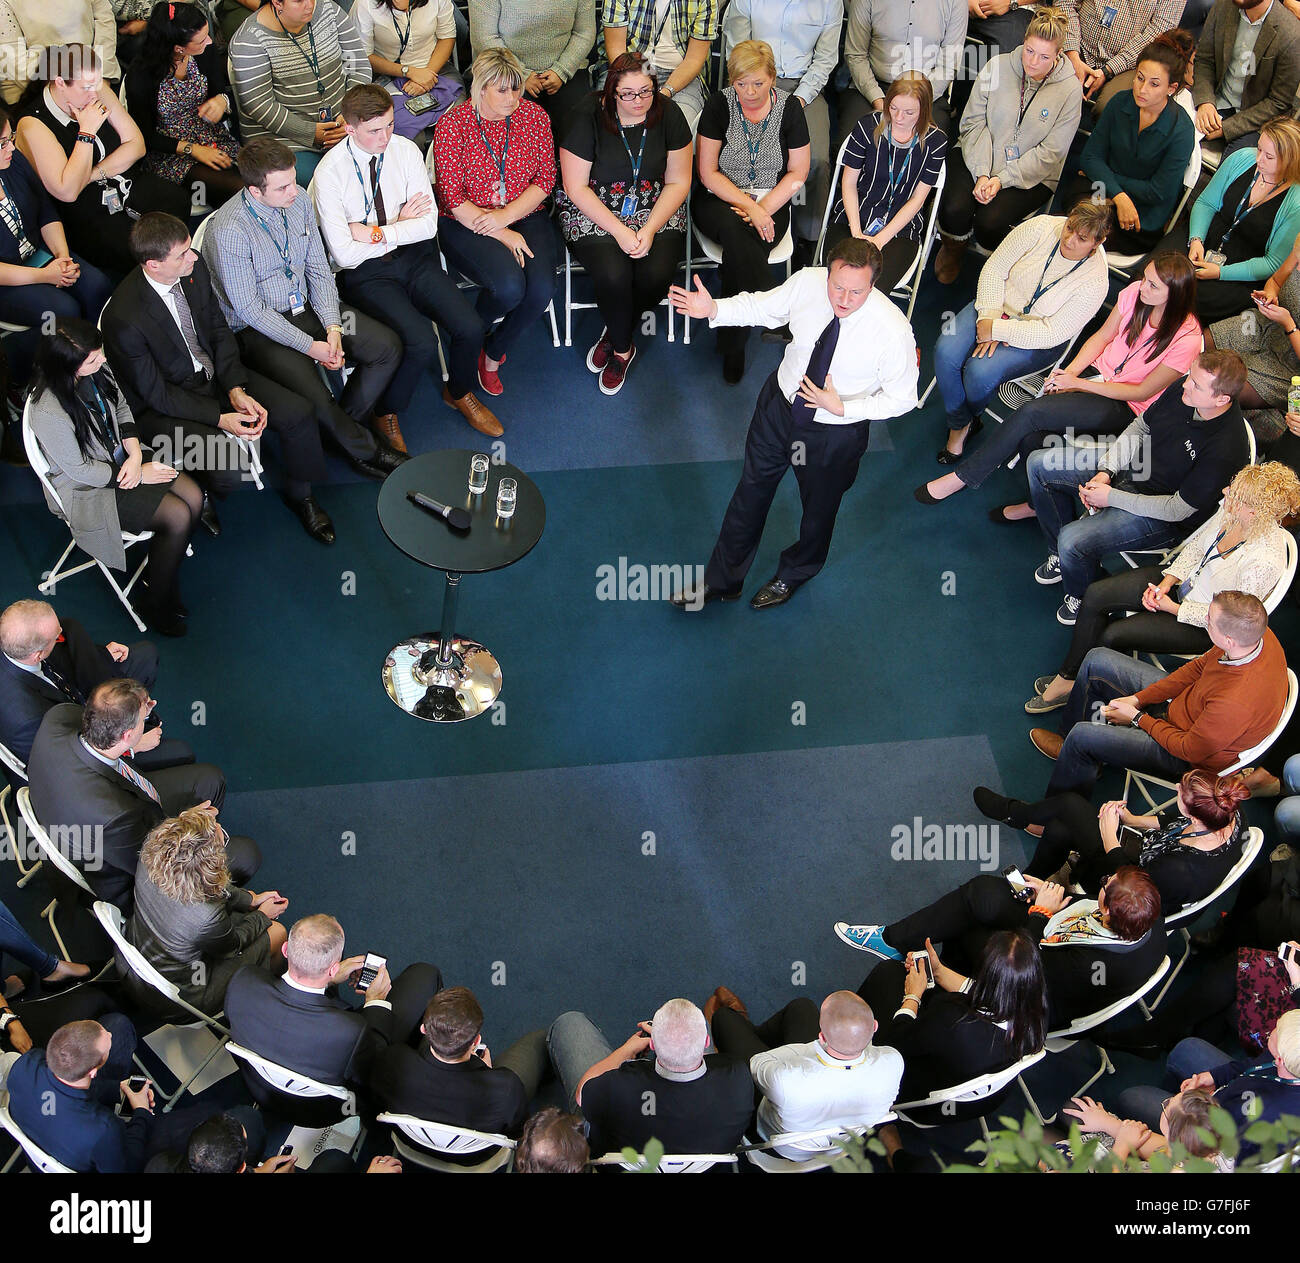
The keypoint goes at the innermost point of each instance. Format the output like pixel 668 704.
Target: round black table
pixel 441 676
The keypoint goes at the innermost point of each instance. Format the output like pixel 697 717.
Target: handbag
pixel 1263 995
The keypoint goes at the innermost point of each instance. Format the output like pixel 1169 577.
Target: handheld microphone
pixel 457 519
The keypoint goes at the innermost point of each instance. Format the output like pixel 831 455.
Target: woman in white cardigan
pixel 1163 609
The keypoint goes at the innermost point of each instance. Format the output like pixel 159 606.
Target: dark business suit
pixel 76 665
pixel 71 788
pixel 320 1035
pixel 461 1094
pixel 170 399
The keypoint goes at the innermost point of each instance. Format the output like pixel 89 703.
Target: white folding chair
pixel 55 855
pixel 1287 577
pixel 429 1139
pixel 984 1087
pixel 1248 757
pixel 672 1163
pixel 1181 920
pixel 823 1146
pixel 36 1156
pixel 571 304
pixel 19 769
pixel 1059 1041
pixel 1122 264
pixel 188 1050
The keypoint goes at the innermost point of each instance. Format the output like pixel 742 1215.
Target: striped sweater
pixel 275 85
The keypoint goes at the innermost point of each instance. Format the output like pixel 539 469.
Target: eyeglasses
pixel 7 142
pixel 635 96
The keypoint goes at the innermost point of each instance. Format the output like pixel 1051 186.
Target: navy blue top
pixel 36 207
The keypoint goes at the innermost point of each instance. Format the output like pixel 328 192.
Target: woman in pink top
pixel 1147 343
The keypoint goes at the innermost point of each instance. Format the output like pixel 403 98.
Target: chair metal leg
pixel 1106 1067
pixel 568 300
pixel 1147 1009
pixel 28 871
pixel 555 332
pixel 57 573
pixel 122 593
pixel 1033 1104
pixel 928 389
pixel 47 914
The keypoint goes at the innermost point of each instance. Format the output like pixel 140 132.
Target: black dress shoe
pixel 381 464
pixel 1004 810
pixel 208 517
pixel 166 621
pixel 698 598
pixel 733 367
pixel 946 457
pixel 773 592
pixel 922 494
pixel 315 520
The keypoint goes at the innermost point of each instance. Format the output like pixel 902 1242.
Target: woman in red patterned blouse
pixel 494 163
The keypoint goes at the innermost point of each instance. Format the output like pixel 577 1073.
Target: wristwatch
pixel 1136 721
pixel 187 149
pixel 7 1018
pixel 667 91
pixel 376 235
pixel 406 72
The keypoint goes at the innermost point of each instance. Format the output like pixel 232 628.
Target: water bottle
pixel 1293 396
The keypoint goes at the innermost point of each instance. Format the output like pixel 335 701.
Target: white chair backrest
pixel 980 1087
pixel 1250 443
pixel 441 1138
pixel 671 1163
pixel 836 176
pixel 1089 1020
pixel 13 762
pixel 1287 577
pixel 285 1080
pixel 48 847
pixel 1251 846
pixel 1250 757
pixel 35 1154
pixel 196 241
pixel 36 457
pixel 114 925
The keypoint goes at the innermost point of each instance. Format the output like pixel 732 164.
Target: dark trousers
pixel 104 239
pixel 31 304
pixel 744 265
pixel 560 104
pixel 1113 617
pixel 373 350
pixel 825 467
pixel 736 1036
pixel 1022 431
pixel 963 918
pixel 182 787
pixel 1069 824
pixel 960 213
pixel 1078 187
pixel 896 257
pixel 514 295
pixel 211 456
pixel 406 289
pixel 627 287
pixel 1215 300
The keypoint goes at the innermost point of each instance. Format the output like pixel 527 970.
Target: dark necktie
pixel 187 328
pixel 819 364
pixel 381 216
pixel 62 683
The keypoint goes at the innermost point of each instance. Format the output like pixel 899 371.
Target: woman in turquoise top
pixel 1244 224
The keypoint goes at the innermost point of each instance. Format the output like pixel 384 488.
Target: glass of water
pixel 507 492
pixel 478 474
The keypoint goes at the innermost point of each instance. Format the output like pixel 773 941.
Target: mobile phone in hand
pixel 285 1151
pixel 923 964
pixel 137 1083
pixel 370 970
pixel 1287 951
pixel 1019 887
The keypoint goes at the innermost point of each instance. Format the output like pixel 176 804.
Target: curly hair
pixel 1271 489
pixel 185 857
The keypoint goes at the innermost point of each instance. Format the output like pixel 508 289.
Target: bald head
pixel 26 628
pixel 847 1023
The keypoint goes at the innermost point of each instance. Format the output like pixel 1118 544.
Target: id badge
pixel 25 250
pixel 1217 257
pixel 629 207
pixel 1012 152
pixel 297 304
pixel 112 198
pixel 326 116
pixel 119 456
pixel 499 193
pixel 1108 16
pixel 875 226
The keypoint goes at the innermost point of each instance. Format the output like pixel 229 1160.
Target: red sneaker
pixel 611 380
pixel 598 356
pixel 487 377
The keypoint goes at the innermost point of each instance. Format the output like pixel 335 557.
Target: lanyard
pixel 370 195
pixel 636 162
pixel 1041 288
pixel 487 144
pixel 403 37
pixel 100 409
pixel 895 185
pixel 285 257
pixel 311 58
pixel 1205 561
pixel 1243 209
pixel 754 146
pixel 1024 105
pixel 13 220
pixel 1135 349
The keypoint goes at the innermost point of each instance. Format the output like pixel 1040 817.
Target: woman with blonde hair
pixel 190 922
pixel 892 161
pixel 1163 609
pixel 754 154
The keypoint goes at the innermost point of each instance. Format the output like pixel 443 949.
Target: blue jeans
pixel 1287 814
pixel 1188 1057
pixel 967 383
pixel 515 295
pixel 1091 743
pixel 575 1045
pixel 1081 544
pixel 19 944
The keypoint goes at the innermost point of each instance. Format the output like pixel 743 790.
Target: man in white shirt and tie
pixel 376 212
pixel 852 360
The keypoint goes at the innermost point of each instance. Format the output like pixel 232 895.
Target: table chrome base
pixel 427 689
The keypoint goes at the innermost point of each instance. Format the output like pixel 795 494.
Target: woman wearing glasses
pixel 626 163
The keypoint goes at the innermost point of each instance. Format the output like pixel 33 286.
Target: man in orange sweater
pixel 1203 715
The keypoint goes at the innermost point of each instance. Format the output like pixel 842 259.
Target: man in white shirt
pixel 816 1070
pixel 376 212
pixel 852 360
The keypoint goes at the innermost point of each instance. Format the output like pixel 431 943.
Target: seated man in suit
pixel 814 1069
pixel 691 1102
pixel 98 808
pixel 1094 953
pixel 47 660
pixel 273 279
pixel 178 364
pixel 296 1021
pixel 62 1096
pixel 1204 715
pixel 452 1078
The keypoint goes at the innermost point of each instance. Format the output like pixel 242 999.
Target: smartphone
pixel 923 963
pixel 370 970
pixel 1287 952
pixel 1126 832
pixel 1019 887
pixel 285 1151
pixel 421 104
pixel 137 1083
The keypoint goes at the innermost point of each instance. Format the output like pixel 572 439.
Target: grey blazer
pixel 1271 90
pixel 84 481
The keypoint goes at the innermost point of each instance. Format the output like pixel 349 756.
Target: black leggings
pixel 959 212
pixel 172 525
pixel 1069 824
pixel 627 287
pixel 1101 621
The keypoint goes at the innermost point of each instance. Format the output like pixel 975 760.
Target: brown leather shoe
pixel 480 417
pixel 386 428
pixel 947 263
pixel 722 998
pixel 1047 742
